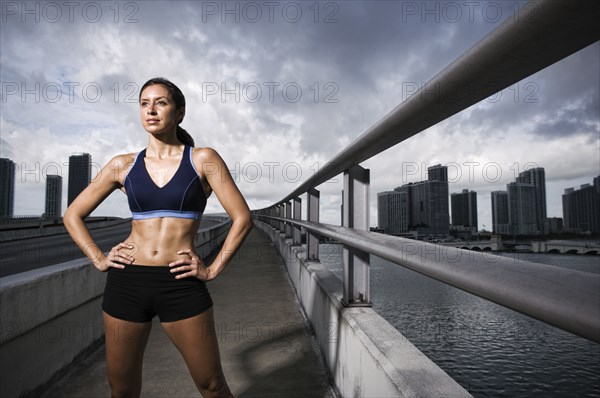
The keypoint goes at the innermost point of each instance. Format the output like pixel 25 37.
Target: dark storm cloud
pixel 361 45
pixel 582 119
pixel 559 101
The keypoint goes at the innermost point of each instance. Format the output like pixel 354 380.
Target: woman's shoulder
pixel 122 161
pixel 205 154
pixel 207 161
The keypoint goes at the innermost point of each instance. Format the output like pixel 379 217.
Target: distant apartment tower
pixel 464 209
pixel 522 209
pixel 537 177
pixel 428 203
pixel 80 174
pixel 392 208
pixel 53 196
pixel 7 188
pixel 527 203
pixel 581 208
pixel 500 212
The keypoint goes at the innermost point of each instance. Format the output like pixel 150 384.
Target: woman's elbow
pixel 246 221
pixel 70 217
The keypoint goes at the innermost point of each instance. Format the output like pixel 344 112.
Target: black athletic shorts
pixel 139 292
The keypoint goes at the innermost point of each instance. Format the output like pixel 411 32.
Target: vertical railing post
pixel 312 241
pixel 288 216
pixel 272 213
pixel 296 237
pixel 356 216
pixel 280 214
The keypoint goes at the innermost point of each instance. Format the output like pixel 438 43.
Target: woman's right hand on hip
pixel 116 258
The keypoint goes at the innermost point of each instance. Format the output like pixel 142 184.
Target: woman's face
pixel 158 111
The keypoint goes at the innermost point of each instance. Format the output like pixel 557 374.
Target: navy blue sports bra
pixel 182 197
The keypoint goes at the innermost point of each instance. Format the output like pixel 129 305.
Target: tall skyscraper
pixel 392 209
pixel 7 187
pixel 522 211
pixel 53 196
pixel 428 203
pixel 464 209
pixel 581 208
pixel 80 174
pixel 537 177
pixel 527 203
pixel 500 212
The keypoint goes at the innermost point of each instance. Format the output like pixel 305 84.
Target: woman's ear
pixel 180 113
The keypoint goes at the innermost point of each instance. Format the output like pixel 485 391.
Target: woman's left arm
pixel 216 173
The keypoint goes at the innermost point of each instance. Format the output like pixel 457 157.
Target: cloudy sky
pixel 279 88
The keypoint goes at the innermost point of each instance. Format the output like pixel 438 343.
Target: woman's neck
pixel 164 148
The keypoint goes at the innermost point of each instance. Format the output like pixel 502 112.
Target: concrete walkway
pixel 267 349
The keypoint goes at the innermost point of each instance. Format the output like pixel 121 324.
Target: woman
pixel 156 271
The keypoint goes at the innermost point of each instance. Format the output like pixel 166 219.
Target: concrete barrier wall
pixel 51 316
pixel 365 355
pixel 50 230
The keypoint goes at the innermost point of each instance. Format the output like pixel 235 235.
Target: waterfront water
pixel 490 350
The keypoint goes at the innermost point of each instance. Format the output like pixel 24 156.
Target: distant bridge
pixel 568 247
pixel 493 244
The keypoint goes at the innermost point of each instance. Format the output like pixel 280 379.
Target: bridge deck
pixel 266 347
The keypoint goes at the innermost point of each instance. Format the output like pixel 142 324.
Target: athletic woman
pixel 156 270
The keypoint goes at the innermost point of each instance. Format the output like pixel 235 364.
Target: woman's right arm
pixel 107 180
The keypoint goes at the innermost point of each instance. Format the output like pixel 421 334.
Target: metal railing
pixel 538 35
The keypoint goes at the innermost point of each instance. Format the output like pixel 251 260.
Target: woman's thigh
pixel 196 339
pixel 125 345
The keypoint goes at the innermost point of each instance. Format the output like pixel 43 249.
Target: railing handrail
pixel 538 35
pixel 565 298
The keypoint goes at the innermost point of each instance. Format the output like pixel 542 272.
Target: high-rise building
pixel 527 203
pixel 581 208
pixel 392 209
pixel 80 174
pixel 7 187
pixel 464 209
pixel 522 211
pixel 53 196
pixel 428 203
pixel 537 177
pixel 500 212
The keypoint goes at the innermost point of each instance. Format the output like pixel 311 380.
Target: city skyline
pixel 520 209
pixel 85 158
pixel 352 61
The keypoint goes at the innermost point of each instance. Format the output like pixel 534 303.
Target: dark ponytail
pixel 183 136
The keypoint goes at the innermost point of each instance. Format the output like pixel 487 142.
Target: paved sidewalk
pixel 266 347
